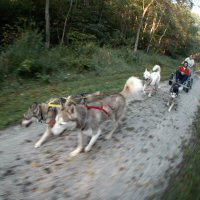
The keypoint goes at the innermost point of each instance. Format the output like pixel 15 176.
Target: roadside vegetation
pixel 185 184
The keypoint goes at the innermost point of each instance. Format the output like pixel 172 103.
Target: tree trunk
pixel 86 3
pixel 140 25
pixel 101 11
pixel 153 29
pixel 47 24
pixel 146 23
pixel 161 37
pixel 65 23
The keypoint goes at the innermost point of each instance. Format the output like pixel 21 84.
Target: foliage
pixel 20 57
pixel 168 28
pixel 185 184
pixel 80 38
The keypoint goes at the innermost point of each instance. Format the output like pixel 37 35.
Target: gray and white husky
pixel 152 79
pixel 88 119
pixel 46 112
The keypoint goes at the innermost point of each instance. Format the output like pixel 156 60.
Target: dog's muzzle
pixel 25 122
pixel 147 80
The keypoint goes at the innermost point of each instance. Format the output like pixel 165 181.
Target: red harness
pixel 98 108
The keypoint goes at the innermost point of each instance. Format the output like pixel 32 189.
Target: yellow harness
pixel 68 99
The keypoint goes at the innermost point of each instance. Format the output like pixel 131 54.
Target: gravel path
pixel 134 165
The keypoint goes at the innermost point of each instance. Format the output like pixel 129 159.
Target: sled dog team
pixel 77 113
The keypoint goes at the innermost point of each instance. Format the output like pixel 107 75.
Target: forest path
pixel 134 165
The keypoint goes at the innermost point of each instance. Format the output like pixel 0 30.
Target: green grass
pixel 185 185
pixel 110 69
pixel 15 102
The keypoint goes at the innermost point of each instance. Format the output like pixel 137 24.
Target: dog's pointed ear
pixel 127 88
pixel 72 109
pixel 62 106
pixel 34 106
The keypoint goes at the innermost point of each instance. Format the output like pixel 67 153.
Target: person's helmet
pixel 185 62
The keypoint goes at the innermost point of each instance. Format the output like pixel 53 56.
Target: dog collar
pixel 52 122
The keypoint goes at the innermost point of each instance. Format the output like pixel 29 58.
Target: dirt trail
pixel 134 165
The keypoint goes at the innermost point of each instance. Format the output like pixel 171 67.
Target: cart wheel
pixel 171 78
pixel 186 90
pixel 171 89
pixel 191 82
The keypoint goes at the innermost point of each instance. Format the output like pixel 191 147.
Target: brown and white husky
pixel 88 119
pixel 46 112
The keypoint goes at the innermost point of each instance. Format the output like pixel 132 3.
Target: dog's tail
pixel 157 67
pixel 132 86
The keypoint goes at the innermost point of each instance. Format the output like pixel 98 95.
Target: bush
pixel 76 37
pixel 20 58
pixel 117 39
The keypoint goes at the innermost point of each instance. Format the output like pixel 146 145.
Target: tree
pixel 65 23
pixel 145 9
pixel 155 24
pixel 47 24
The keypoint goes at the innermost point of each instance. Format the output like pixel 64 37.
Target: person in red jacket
pixel 183 73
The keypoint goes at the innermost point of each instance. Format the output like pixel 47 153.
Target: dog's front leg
pixel 151 91
pixel 93 140
pixel 144 88
pixel 44 137
pixel 175 106
pixel 156 87
pixel 168 103
pixel 80 145
pixel 171 106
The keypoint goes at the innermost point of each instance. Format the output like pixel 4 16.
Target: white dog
pixel 152 79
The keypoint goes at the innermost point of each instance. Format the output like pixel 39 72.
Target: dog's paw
pixel 87 149
pixel 37 145
pixel 108 137
pixel 75 152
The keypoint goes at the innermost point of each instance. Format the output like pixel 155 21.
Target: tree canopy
pixel 164 26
